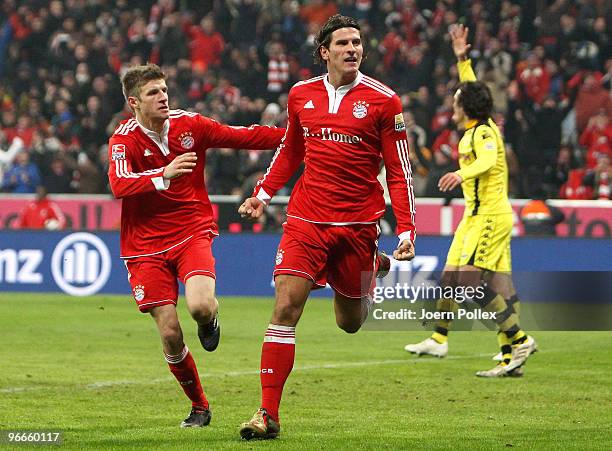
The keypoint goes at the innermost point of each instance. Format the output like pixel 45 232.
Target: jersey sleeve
pixel 466 73
pixel 395 154
pixel 216 134
pixel 287 158
pixel 123 181
pixel 485 148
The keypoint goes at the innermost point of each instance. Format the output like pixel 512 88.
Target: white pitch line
pixel 325 366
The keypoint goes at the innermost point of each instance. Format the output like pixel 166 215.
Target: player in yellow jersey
pixel 479 255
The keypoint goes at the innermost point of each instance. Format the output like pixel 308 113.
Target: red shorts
pixel 154 277
pixel 343 256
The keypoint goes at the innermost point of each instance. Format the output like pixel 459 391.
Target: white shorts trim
pixel 301 272
pixel 189 274
pixel 156 302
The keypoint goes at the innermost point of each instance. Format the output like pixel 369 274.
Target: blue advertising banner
pixel 82 263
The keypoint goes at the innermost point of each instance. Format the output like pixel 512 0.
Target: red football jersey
pixel 342 135
pixel 36 215
pixel 158 214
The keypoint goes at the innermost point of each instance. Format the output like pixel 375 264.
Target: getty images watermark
pixel 404 292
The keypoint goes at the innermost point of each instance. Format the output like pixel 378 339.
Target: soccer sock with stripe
pixel 277 356
pixel 505 317
pixel 514 302
pixel 440 333
pixel 184 369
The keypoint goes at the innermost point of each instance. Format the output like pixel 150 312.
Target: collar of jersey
pixel 470 123
pixel 163 143
pixel 344 88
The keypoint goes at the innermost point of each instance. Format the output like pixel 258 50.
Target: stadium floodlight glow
pixel 81 264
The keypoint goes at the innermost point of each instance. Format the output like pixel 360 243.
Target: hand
pixel 251 209
pixel 183 164
pixel 459 35
pixel 405 251
pixel 449 181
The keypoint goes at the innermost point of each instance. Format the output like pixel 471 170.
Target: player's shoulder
pixel 376 88
pixel 309 83
pixel 125 128
pixel 307 87
pixel 178 114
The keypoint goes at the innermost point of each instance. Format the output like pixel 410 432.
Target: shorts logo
pixel 139 293
pixel 360 109
pixel 279 256
pixel 118 152
pixel 400 125
pixel 186 140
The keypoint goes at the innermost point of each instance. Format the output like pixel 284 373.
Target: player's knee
pixel 204 310
pixel 172 336
pixel 469 278
pixel 286 313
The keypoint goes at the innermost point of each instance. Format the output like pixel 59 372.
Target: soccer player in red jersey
pixel 41 213
pixel 341 125
pixel 156 166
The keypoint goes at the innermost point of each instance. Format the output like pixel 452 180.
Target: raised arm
pixel 461 48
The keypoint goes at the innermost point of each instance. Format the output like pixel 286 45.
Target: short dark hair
pixel 323 38
pixel 476 99
pixel 138 76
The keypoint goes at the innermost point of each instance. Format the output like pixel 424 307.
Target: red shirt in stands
pixel 158 214
pixel 41 214
pixel 342 135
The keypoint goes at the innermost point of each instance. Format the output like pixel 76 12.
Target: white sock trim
pixel 176 359
pixel 281 328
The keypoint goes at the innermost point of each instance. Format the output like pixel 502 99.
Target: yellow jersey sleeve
pixel 465 70
pixel 485 148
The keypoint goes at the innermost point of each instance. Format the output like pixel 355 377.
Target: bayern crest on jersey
pixel 186 140
pixel 139 293
pixel 360 109
pixel 279 256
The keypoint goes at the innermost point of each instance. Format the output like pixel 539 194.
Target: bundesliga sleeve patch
pixel 400 125
pixel 118 152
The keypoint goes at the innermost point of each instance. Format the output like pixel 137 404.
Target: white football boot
pixel 520 353
pixel 429 346
pixel 497 357
pixel 498 370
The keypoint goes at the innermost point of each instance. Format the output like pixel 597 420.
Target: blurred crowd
pixel 547 62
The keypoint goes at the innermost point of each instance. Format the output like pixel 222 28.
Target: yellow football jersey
pixel 482 163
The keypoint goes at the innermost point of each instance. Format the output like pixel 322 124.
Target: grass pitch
pixel 93 368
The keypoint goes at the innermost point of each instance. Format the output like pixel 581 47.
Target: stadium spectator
pixel 22 176
pixel 349 123
pixel 206 45
pixel 41 213
pixel 60 54
pixel 539 218
pixel 156 166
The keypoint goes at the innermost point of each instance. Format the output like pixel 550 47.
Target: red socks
pixel 277 356
pixel 184 369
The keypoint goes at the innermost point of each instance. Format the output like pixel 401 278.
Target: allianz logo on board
pixel 81 264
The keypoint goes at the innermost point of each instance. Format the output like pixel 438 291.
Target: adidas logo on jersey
pixel 309 105
pixel 147 153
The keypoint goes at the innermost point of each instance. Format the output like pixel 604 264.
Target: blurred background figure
pixel 540 218
pixel 41 213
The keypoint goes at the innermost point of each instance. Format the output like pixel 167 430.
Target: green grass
pixel 93 368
